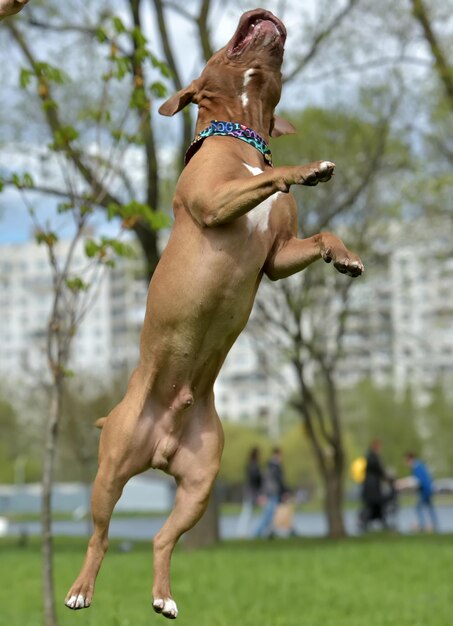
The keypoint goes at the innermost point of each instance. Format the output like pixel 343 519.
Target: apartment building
pixel 399 328
pixel 107 338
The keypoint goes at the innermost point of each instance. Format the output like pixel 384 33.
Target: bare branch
pixel 171 62
pixel 443 67
pixel 368 174
pixel 367 65
pixel 319 40
pixel 203 29
pixel 176 6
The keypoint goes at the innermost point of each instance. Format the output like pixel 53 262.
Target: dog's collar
pixel 230 129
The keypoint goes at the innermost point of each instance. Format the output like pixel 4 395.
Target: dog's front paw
pixel 318 172
pixel 345 262
pixel 166 606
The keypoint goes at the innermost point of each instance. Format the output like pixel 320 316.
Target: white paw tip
pixel 167 607
pixel 325 165
pixel 75 602
pixel 170 609
pixel 158 605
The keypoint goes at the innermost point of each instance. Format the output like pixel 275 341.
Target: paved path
pixel 307 524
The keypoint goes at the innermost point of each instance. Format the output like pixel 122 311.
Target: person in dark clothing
pixel 254 478
pixel 373 498
pixel 425 491
pixel 274 489
pixel 252 491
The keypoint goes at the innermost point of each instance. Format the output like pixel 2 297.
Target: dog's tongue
pixel 268 28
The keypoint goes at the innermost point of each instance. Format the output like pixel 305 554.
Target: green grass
pixel 372 581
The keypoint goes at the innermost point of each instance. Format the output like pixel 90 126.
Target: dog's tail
pixel 100 422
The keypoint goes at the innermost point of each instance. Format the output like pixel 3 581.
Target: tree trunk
pixel 334 503
pixel 50 616
pixel 441 63
pixel 206 532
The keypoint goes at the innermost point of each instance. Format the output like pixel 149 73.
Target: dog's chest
pixel 258 218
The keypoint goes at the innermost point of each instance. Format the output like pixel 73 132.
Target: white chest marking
pixel 258 218
pixel 244 96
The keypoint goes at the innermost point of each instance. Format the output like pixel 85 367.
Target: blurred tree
pixel 92 136
pixel 96 124
pixel 442 64
pixel 81 407
pixel 96 105
pixel 303 318
pixel 20 457
pixel 376 412
pixel 298 461
pixel 438 432
pixel 73 293
pixel 239 440
pixel 10 441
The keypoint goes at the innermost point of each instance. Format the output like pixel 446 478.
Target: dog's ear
pixel 179 100
pixel 281 127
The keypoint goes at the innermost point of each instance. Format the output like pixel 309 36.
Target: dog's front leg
pixel 296 254
pixel 233 195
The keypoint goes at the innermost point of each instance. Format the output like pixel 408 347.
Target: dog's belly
pixel 195 314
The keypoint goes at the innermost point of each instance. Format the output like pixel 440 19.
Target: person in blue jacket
pixel 275 490
pixel 425 491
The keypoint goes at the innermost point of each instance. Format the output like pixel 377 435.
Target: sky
pixel 15 224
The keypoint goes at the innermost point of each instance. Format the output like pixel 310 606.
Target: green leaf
pixel 24 182
pixel 49 238
pixel 118 25
pixel 27 180
pixel 158 89
pixel 123 249
pixel 51 73
pixel 91 248
pixel 64 207
pixel 76 284
pixel 101 34
pixel 122 67
pixel 63 136
pixel 25 77
pixel 138 37
pixel 160 65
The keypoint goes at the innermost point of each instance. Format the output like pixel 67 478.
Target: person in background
pixel 9 7
pixel 373 497
pixel 252 491
pixel 425 491
pixel 274 490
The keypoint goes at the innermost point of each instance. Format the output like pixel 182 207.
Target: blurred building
pixel 399 328
pixel 107 339
pixel 246 391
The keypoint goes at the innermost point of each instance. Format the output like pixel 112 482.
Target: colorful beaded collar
pixel 230 129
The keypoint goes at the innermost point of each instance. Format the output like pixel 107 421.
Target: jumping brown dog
pixel 235 220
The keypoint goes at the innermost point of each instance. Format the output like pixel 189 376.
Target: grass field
pixel 372 581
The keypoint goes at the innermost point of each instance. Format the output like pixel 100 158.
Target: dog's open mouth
pixel 257 24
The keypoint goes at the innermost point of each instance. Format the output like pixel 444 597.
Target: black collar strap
pixel 230 129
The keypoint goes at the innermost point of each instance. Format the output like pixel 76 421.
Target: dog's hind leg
pixel 195 466
pixel 119 460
